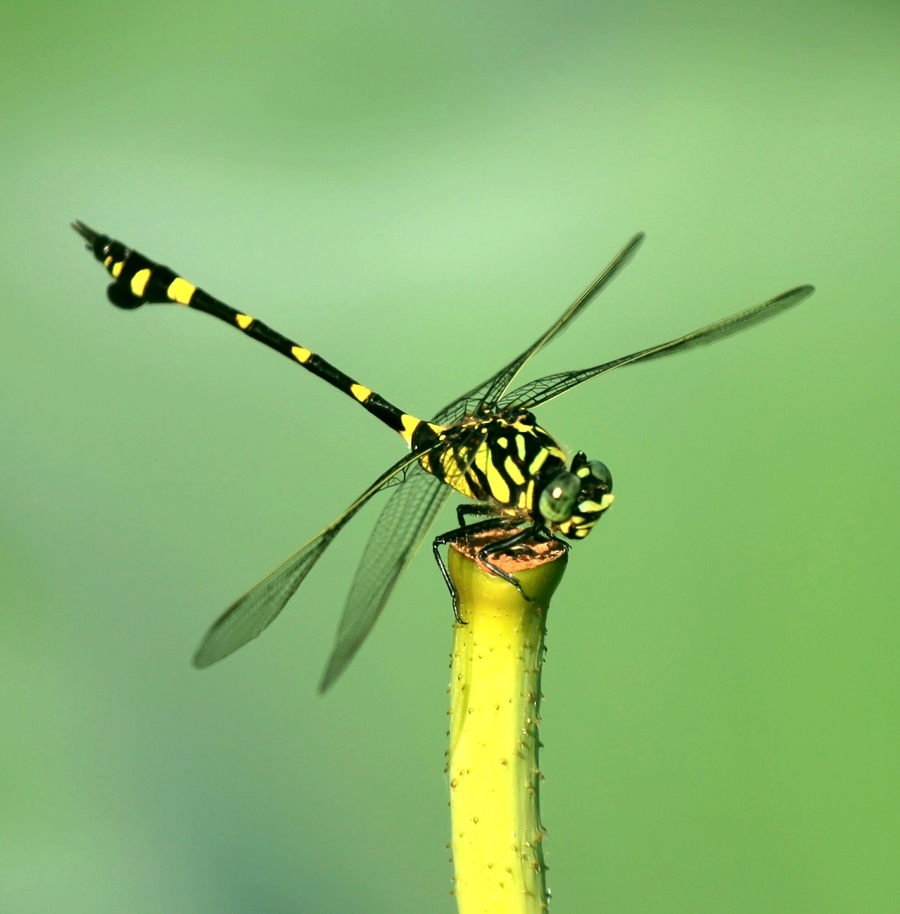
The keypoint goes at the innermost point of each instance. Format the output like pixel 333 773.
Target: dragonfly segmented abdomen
pixel 137 281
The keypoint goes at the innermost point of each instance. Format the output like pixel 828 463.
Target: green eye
pixel 558 499
pixel 600 472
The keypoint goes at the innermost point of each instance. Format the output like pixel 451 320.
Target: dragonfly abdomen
pixel 137 281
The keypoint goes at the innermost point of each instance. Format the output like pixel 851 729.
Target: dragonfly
pixel 485 445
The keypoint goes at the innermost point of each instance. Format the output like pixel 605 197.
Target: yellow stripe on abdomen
pixel 180 291
pixel 360 392
pixel 139 282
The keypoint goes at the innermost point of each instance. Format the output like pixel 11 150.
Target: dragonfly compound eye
pixel 558 498
pixel 600 472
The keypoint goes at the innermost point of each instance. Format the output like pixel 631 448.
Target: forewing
pixel 397 534
pixel 257 608
pixel 533 394
pixel 490 391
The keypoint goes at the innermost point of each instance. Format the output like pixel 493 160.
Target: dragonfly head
pixel 573 500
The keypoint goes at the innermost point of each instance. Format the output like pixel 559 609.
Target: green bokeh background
pixel 415 190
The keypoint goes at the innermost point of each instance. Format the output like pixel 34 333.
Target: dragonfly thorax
pixel 510 462
pixel 502 460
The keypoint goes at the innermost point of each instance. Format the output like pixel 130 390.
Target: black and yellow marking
pixel 486 445
pixel 139 281
pixel 496 467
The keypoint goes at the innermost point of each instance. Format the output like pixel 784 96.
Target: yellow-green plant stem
pixel 495 694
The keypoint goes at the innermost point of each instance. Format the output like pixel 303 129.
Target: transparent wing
pixel 489 392
pixel 543 389
pixel 257 608
pixel 394 540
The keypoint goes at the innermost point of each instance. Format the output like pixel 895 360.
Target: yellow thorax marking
pixel 520 446
pixel 529 494
pixel 117 269
pixel 539 460
pixel 513 471
pixel 523 425
pixel 243 320
pixel 496 482
pixel 180 291
pixel 524 499
pixel 452 475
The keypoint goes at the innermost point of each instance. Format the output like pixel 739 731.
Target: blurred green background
pixel 415 190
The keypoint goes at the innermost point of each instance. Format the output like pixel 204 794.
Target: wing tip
pixel 634 243
pixel 334 670
pixel 796 295
pixel 209 652
pixel 201 659
pixel 325 684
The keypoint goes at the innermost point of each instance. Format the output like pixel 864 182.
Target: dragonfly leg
pixel 520 536
pixel 475 510
pixel 460 533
